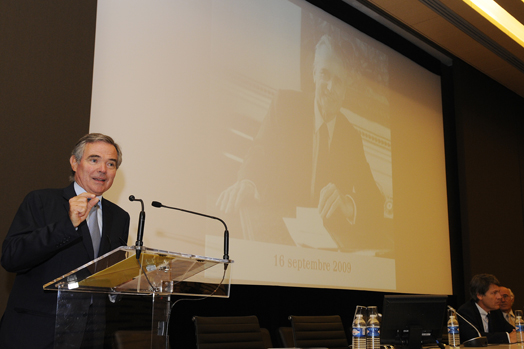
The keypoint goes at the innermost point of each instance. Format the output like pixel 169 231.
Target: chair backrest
pixel 242 332
pixel 318 331
pixel 266 336
pixel 132 339
pixel 286 337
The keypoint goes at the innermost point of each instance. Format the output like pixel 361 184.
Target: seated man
pixel 506 304
pixel 483 312
pixel 308 154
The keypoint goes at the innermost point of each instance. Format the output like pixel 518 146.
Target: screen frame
pixel 282 261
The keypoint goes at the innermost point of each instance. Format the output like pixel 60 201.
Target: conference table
pixel 490 346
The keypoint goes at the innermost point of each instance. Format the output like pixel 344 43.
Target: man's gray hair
pixel 343 51
pixel 78 150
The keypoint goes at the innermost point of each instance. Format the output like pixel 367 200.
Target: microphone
pixel 141 222
pixel 479 341
pixel 226 232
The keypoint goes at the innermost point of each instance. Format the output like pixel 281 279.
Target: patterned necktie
pixel 322 165
pixel 94 229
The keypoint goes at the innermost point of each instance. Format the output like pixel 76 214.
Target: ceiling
pixel 458 30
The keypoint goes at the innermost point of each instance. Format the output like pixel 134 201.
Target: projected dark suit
pixel 41 245
pixel 498 329
pixel 280 163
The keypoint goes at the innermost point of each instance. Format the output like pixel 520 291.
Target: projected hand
pixel 231 199
pixel 79 207
pixel 332 200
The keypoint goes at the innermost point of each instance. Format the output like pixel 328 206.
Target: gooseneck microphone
pixel 141 222
pixel 226 232
pixel 479 341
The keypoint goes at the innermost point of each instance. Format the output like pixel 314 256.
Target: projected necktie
pixel 322 168
pixel 94 229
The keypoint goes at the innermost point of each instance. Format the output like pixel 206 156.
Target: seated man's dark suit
pixel 280 163
pixel 42 245
pixel 498 326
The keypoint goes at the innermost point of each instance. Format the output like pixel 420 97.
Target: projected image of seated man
pixel 308 159
pixel 483 313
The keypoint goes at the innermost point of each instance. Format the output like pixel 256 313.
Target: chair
pixel 266 336
pixel 235 332
pixel 286 337
pixel 319 331
pixel 132 339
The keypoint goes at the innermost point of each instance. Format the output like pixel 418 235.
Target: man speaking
pixel 56 231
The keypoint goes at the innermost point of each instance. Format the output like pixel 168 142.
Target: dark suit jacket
pixel 280 163
pixel 42 245
pixel 498 325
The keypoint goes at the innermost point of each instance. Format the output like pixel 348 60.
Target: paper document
pixel 307 230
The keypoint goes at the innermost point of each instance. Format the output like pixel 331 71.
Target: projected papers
pixel 307 230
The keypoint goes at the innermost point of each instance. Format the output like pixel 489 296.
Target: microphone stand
pixel 226 232
pixel 140 233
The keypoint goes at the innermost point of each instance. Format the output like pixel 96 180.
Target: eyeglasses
pixel 505 296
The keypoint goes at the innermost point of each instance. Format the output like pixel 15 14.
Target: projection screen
pixel 220 107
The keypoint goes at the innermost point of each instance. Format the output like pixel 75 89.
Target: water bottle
pixel 359 332
pixel 519 326
pixel 453 330
pixel 373 329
